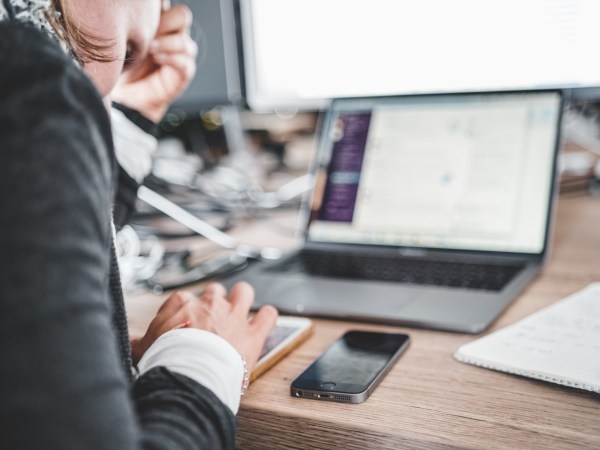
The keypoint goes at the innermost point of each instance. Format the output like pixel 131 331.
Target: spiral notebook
pixel 559 344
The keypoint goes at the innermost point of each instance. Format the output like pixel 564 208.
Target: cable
pixel 203 228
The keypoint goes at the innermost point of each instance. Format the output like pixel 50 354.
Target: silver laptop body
pixel 421 184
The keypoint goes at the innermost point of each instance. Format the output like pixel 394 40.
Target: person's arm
pixel 61 381
pixel 145 91
pixel 135 140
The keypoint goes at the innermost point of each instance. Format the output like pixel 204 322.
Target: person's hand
pixel 214 311
pixel 150 86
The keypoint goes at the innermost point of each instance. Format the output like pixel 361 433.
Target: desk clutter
pixel 559 344
pixel 183 198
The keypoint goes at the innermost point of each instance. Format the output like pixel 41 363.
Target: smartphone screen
pixel 289 333
pixel 350 369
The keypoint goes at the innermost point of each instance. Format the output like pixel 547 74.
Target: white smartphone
pixel 288 334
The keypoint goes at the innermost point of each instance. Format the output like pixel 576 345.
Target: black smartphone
pixel 351 368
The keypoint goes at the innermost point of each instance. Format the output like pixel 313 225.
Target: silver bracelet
pixel 246 378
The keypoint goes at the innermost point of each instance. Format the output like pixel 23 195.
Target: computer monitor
pixel 217 80
pixel 206 116
pixel 300 53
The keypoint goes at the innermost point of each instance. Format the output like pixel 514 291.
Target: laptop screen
pixel 460 171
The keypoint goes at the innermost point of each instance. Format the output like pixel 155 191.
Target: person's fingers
pixel 174 313
pixel 175 43
pixel 175 19
pixel 175 302
pixel 260 326
pixel 205 312
pixel 181 319
pixel 241 298
pixel 264 321
pixel 182 64
pixel 214 290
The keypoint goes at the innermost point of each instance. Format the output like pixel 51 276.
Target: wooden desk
pixel 429 400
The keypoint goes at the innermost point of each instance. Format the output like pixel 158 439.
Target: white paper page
pixel 560 344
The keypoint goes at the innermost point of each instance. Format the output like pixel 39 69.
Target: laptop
pixel 429 211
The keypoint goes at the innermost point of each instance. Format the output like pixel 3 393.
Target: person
pixel 140 99
pixel 66 378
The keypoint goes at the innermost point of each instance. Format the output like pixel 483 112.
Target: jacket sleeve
pixel 62 384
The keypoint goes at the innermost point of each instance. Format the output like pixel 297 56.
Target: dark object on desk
pixel 212 133
pixel 263 140
pixel 350 369
pixel 176 271
pixel 434 185
pixel 206 116
pixel 594 186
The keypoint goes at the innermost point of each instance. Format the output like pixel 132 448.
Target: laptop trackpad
pixel 340 298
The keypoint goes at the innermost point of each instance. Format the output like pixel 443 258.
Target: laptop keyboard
pixel 487 277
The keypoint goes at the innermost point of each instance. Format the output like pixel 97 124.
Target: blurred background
pixel 237 145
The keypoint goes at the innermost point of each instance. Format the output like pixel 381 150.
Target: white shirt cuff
pixel 133 146
pixel 202 356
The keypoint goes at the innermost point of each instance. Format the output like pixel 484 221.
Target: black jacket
pixel 64 356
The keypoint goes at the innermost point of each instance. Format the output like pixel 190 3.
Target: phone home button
pixel 328 385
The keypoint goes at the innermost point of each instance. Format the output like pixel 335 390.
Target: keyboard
pixel 487 277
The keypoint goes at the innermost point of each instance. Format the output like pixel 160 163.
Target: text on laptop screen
pixel 456 171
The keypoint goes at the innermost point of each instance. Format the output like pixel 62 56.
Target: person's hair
pixel 84 46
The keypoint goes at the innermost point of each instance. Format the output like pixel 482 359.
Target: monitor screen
pixel 217 80
pixel 299 54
